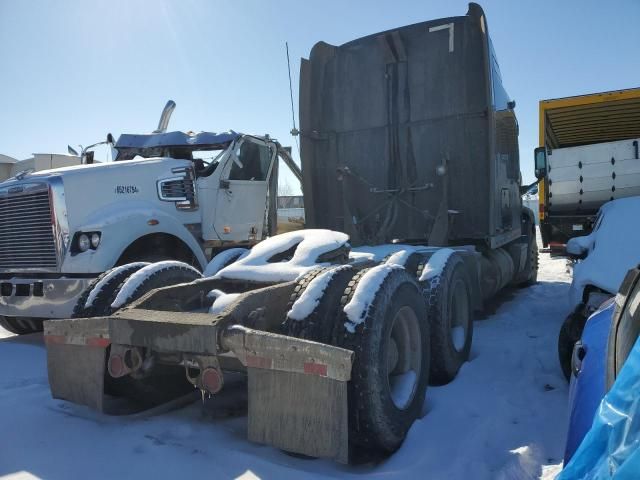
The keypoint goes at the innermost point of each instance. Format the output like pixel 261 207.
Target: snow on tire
pixel 450 316
pixel 97 297
pixel 314 305
pixel 155 275
pixel 391 343
pixel 223 259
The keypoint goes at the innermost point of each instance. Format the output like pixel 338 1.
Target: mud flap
pixel 299 413
pixel 297 392
pixel 76 361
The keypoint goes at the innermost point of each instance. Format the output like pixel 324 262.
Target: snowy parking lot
pixel 503 417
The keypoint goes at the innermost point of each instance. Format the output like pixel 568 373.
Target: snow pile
pixel 357 309
pixel 308 301
pixel 436 263
pixel 223 258
pixel 107 278
pixel 135 280
pixel 612 248
pixel 222 300
pixel 309 245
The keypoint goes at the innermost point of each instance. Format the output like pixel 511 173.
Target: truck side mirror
pixel 88 158
pixel 511 104
pixel 540 155
pixel 110 139
pixel 72 151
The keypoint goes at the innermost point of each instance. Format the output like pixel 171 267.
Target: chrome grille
pixel 26 232
pixel 177 189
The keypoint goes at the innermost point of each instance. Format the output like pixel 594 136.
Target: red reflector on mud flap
pixel 315 369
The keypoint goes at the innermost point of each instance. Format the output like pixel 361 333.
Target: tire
pixel 222 260
pixel 172 274
pixel 318 326
pixel 379 416
pixel 21 325
pixel 451 318
pixel 101 304
pixel 533 262
pixel 164 382
pixel 570 333
pixel 414 264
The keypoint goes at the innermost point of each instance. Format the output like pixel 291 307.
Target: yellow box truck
pixel 588 155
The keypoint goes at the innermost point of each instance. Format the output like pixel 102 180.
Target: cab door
pixel 243 193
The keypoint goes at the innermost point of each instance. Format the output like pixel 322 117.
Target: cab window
pixel 253 162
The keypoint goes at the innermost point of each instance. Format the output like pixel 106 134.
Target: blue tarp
pixel 611 449
pixel 175 139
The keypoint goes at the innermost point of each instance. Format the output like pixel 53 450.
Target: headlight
pixel 83 242
pixel 95 240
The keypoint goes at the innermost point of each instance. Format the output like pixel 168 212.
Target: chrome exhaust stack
pixel 165 117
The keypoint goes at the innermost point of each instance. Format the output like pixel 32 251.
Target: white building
pixel 10 167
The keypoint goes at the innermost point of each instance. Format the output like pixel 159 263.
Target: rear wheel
pixel 97 297
pixel 451 319
pixel 21 325
pixel 391 365
pixel 532 263
pixel 162 382
pixel 317 324
pixel 173 273
pixel 529 275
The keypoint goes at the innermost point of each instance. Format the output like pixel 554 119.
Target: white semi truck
pixel 410 174
pixel 166 195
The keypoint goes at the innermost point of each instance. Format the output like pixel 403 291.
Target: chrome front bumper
pixel 40 298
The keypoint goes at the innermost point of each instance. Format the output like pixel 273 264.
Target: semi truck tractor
pixel 410 175
pixel 166 195
pixel 588 155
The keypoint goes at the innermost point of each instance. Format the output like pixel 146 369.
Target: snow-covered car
pixel 607 340
pixel 601 260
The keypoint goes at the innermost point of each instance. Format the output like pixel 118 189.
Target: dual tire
pixel 402 342
pixel 103 290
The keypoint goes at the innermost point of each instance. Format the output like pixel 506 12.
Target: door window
pixel 253 162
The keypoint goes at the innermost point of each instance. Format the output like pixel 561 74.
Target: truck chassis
pixel 164 344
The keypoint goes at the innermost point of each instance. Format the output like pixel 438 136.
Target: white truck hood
pixel 96 191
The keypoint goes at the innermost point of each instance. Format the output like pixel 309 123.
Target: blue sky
pixel 73 70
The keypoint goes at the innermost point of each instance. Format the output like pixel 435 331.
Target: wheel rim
pixel 459 316
pixel 404 357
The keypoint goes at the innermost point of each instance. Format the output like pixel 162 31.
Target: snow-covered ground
pixel 503 417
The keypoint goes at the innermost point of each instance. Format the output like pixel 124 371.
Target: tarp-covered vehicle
pixel 603 437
